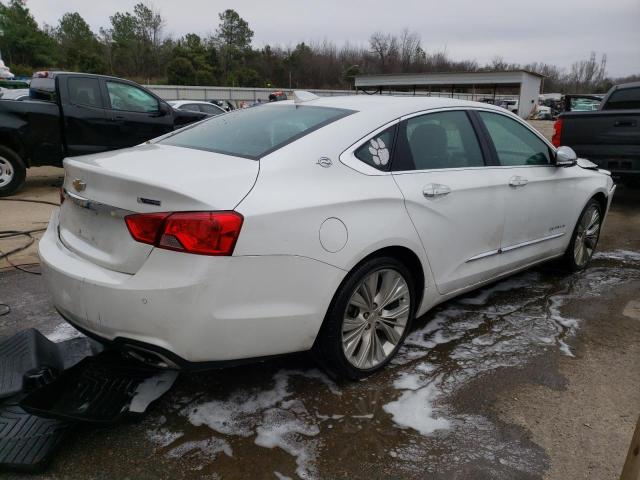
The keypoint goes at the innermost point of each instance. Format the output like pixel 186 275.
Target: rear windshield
pixel 257 131
pixel 624 99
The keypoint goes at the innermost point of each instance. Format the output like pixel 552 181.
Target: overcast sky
pixel 552 31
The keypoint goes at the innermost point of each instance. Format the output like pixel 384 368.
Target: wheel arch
pixel 11 143
pixel 602 199
pixel 406 255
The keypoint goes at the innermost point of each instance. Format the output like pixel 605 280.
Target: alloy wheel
pixel 375 318
pixel 6 172
pixel 587 236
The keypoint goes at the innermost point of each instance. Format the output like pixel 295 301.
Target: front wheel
pixel 585 237
pixel 12 172
pixel 368 319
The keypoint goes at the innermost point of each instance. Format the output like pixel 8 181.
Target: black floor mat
pixel 30 356
pixel 27 442
pixel 100 389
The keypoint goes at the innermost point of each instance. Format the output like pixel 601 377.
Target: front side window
pixel 130 98
pixel 85 91
pixel 376 152
pixel 438 140
pixel 624 99
pixel 255 132
pixel 515 144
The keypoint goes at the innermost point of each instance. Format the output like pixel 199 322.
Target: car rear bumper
pixel 193 308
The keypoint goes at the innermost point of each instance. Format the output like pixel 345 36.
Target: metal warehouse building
pixel 519 84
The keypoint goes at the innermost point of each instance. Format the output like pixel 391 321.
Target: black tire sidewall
pixel 328 346
pixel 569 258
pixel 19 172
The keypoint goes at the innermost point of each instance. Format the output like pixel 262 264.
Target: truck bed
pixel 39 126
pixel 610 138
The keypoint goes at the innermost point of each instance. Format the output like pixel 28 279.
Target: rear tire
pixel 585 237
pixel 12 172
pixel 368 319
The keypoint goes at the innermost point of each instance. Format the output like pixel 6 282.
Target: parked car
pixel 321 223
pixel 582 103
pixel 225 104
pixel 208 108
pixel 76 114
pixel 609 136
pixel 15 94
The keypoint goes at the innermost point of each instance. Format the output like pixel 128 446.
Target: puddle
pixel 303 425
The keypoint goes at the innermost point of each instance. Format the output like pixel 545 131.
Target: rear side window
pixel 211 109
pixel 85 91
pixel 624 99
pixel 191 107
pixel 438 140
pixel 377 151
pixel 257 131
pixel 514 143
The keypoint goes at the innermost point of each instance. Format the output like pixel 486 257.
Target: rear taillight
pixel 203 233
pixel 557 133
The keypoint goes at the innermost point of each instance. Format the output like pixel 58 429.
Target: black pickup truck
pixel 71 114
pixel 609 136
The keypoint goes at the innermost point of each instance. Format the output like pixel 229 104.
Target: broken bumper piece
pixel 100 389
pixel 46 387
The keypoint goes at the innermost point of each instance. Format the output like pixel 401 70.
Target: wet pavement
pixel 469 396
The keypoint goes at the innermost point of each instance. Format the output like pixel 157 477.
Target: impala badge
pixel 79 185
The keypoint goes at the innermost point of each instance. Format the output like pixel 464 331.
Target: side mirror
pixel 565 157
pixel 163 109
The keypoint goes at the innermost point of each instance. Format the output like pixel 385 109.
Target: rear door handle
pixel 622 123
pixel 518 181
pixel 435 190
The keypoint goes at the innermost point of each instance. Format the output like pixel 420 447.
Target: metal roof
pixel 514 77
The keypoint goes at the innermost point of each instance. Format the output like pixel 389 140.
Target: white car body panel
pixel 312 211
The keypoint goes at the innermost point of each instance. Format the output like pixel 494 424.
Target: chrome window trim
pixel 348 158
pixel 515 247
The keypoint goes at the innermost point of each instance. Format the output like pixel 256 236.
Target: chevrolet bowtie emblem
pixel 78 185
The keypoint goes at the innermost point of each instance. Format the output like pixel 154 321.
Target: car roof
pixel 178 103
pixel 627 85
pixel 387 105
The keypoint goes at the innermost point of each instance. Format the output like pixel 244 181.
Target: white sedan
pixel 322 223
pixel 197 106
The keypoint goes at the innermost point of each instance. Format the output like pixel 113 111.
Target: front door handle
pixel 622 123
pixel 435 190
pixel 518 181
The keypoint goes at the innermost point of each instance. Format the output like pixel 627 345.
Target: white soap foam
pixel 282 429
pixel 276 417
pixel 280 476
pixel 414 410
pixel 62 332
pixel 207 448
pixel 163 437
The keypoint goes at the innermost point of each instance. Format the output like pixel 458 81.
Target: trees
pixel 78 47
pixel 22 42
pixel 133 45
pixel 234 39
pixel 135 42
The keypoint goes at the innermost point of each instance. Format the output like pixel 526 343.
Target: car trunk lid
pixel 102 189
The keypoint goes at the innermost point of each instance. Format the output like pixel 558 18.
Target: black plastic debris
pixel 27 442
pixel 100 389
pixel 28 359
